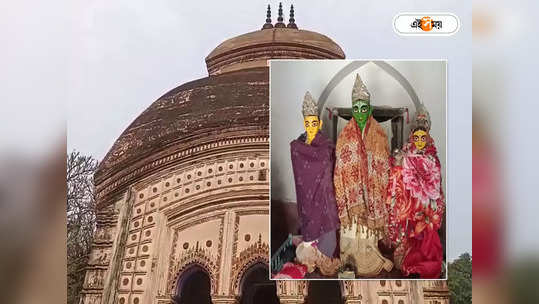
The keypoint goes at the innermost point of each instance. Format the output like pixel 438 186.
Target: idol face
pixel 361 110
pixel 420 139
pixel 312 125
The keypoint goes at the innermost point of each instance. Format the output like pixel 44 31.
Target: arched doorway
pixel 194 287
pixel 324 292
pixel 256 287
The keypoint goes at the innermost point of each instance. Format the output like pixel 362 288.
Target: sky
pixel 101 63
pixel 126 54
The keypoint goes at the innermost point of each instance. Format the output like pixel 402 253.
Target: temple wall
pixel 213 213
pixel 372 292
pixel 251 228
pixel 388 291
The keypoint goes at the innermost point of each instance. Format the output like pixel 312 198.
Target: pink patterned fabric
pixel 422 174
pixel 422 180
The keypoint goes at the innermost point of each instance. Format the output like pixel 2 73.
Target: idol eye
pixel 314 124
pixel 364 109
pixel 306 123
pixel 415 138
pixel 423 138
pixel 356 109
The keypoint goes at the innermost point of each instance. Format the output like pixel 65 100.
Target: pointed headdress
pixel 422 118
pixel 310 107
pixel 360 90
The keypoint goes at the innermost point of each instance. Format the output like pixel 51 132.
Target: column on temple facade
pixel 292 292
pixel 435 291
pixel 226 259
pixel 106 253
pixel 157 287
pixel 351 292
pixel 221 299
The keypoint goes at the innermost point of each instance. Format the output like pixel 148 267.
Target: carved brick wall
pixel 100 255
pixel 190 203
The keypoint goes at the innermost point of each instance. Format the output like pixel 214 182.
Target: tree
pixel 460 279
pixel 80 219
pixel 523 275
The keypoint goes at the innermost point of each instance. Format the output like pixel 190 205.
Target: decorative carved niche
pixel 262 175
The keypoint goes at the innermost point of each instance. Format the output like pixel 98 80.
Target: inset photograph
pixel 358 169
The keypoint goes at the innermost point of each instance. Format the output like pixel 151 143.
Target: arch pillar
pixel 352 300
pixel 351 292
pixel 292 292
pixel 224 299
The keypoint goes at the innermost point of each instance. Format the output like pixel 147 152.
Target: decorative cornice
pixel 267 51
pixel 259 203
pixel 110 188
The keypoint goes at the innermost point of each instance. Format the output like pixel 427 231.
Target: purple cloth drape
pixel 313 174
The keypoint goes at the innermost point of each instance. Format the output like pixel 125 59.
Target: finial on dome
pixel 280 19
pixel 292 21
pixel 268 24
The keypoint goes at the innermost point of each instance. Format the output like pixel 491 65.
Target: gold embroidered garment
pixel 361 175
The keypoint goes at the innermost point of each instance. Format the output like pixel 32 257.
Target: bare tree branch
pixel 81 219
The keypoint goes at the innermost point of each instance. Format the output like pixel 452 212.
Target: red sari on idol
pixel 421 176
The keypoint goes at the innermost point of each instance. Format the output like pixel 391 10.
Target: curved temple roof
pixel 255 48
pixel 199 108
pixel 233 100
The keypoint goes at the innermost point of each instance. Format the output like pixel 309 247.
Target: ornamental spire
pixel 280 17
pixel 268 24
pixel 292 21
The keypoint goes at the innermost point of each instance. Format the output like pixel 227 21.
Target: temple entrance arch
pixel 255 286
pixel 322 292
pixel 194 286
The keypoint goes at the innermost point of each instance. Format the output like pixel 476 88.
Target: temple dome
pixel 255 48
pixel 196 113
pixel 198 116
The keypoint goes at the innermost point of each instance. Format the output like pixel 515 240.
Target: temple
pixel 183 194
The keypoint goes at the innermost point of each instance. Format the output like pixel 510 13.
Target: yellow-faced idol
pixel 420 138
pixel 311 120
pixel 312 125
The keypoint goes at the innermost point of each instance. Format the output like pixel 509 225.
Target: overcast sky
pixel 126 54
pixel 111 59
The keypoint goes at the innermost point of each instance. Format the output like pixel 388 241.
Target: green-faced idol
pixel 361 103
